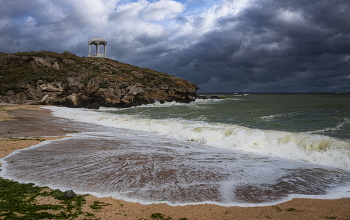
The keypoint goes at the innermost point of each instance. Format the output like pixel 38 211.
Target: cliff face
pixel 68 80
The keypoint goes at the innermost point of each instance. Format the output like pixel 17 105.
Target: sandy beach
pixel 22 126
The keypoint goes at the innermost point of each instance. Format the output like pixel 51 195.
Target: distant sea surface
pixel 244 149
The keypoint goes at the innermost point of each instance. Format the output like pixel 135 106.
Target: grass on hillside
pixel 64 55
pixel 18 72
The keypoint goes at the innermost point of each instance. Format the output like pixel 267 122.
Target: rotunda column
pixel 97 42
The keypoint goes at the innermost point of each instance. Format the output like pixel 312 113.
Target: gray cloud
pixel 272 47
pixel 266 45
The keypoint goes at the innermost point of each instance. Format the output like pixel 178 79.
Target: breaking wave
pixel 302 146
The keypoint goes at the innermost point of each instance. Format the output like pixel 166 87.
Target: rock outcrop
pixel 68 80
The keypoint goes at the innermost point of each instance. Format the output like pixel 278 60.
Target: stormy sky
pixel 221 45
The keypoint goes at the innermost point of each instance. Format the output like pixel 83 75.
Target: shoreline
pixel 31 121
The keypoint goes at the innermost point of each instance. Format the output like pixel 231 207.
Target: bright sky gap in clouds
pixel 221 45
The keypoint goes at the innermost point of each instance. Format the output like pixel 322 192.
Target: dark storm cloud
pixel 272 46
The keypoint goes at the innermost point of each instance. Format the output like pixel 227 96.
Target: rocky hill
pixel 68 80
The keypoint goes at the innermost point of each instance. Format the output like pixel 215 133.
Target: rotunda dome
pixel 97 40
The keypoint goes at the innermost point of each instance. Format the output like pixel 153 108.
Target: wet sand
pixel 17 122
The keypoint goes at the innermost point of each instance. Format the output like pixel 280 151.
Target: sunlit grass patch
pixel 25 201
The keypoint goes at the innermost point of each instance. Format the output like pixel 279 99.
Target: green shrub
pixel 88 77
pixel 104 85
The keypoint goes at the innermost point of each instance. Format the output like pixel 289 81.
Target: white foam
pixel 197 103
pixel 305 147
pixel 276 116
pixel 272 117
pixel 5 163
pixel 340 125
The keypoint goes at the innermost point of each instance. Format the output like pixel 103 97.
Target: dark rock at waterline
pixel 214 97
pixel 49 78
pixel 201 97
pixel 69 194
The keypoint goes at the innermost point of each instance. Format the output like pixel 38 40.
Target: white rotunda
pixel 98 41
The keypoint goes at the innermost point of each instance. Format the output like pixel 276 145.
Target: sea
pixel 245 149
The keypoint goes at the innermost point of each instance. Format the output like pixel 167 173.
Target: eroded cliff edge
pixel 68 80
